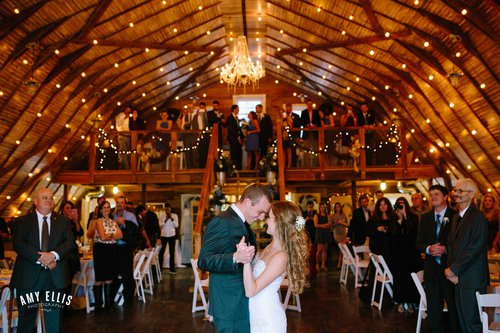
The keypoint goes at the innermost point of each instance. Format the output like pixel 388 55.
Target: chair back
pixel 381 266
pixel 348 258
pixel 138 266
pixel 359 250
pixel 488 301
pixel 418 279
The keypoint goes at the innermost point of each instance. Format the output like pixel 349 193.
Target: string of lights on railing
pixel 103 136
pixel 392 137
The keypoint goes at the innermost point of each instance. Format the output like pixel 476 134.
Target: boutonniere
pixel 445 221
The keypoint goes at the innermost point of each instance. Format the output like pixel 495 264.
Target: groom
pixel 219 256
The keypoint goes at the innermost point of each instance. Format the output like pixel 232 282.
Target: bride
pixel 286 255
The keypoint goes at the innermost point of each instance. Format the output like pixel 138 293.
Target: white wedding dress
pixel 266 311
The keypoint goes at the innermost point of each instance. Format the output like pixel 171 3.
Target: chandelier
pixel 241 70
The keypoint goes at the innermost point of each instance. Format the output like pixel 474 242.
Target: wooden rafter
pixel 12 22
pixel 100 9
pixel 371 16
pixel 141 45
pixel 200 70
pixel 351 42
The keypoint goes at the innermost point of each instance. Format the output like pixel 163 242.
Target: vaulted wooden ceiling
pixel 91 56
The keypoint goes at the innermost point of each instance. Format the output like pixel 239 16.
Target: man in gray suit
pixel 42 240
pixel 467 261
pixel 219 256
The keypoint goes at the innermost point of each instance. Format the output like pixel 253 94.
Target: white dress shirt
pixel 122 122
pixel 40 227
pixel 168 225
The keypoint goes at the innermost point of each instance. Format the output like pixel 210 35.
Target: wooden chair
pixel 146 272
pixel 383 276
pixel 199 288
pixel 360 262
pixel 488 301
pixel 286 285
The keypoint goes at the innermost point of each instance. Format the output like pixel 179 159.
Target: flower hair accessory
pixel 300 223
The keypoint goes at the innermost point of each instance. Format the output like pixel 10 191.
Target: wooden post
pixel 133 155
pixel 321 146
pixel 362 163
pixel 281 159
pixel 92 155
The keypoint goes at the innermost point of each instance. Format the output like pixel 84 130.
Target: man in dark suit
pixel 367 118
pixel 357 229
pixel 432 239
pixel 310 119
pixel 234 136
pixel 42 240
pixel 467 261
pixel 215 116
pixel 266 129
pixel 219 256
pixel 200 122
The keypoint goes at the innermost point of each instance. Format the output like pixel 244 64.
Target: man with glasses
pixel 467 260
pixel 433 232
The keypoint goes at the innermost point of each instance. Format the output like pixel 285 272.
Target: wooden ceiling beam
pixel 10 23
pixel 198 72
pixel 371 16
pixel 351 42
pixel 99 10
pixel 141 45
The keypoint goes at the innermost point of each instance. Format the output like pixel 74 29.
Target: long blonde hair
pixel 492 213
pixel 294 243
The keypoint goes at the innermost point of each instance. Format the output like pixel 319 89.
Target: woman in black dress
pixel 489 207
pixel 378 224
pixel 403 255
pixel 322 224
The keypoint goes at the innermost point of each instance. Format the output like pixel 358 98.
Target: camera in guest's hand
pixel 397 206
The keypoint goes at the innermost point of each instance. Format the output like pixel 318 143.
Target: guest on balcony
pixel 122 122
pixel 136 123
pixel 310 119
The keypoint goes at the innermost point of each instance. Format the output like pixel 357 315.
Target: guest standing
pixel 168 222
pixel 266 129
pixel 311 232
pixel 432 239
pixel 467 261
pixel 200 123
pixel 122 121
pixel 105 254
pixel 252 141
pixel 418 207
pixel 234 136
pixel 290 121
pixel 357 231
pixel 403 255
pixel 42 240
pixel 310 119
pixel 489 207
pixel 322 224
pixel 378 225
pixel 136 123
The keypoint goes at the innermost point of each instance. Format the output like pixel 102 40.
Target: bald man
pixel 42 240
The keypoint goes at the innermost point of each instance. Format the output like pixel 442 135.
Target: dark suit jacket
pixel 212 118
pixel 370 118
pixel 357 229
pixel 227 293
pixel 266 129
pixel 427 236
pixel 467 249
pixel 304 121
pixel 233 129
pixel 26 241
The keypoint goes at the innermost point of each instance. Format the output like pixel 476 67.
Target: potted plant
pixel 216 199
pixel 223 166
pixel 269 165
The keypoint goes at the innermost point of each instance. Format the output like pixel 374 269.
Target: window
pixel 247 103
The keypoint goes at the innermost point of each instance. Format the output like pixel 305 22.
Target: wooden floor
pixel 327 306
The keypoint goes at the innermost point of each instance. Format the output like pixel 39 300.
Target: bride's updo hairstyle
pixel 294 241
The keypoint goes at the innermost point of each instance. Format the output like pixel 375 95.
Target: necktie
pixel 251 236
pixel 438 225
pixel 438 228
pixel 45 234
